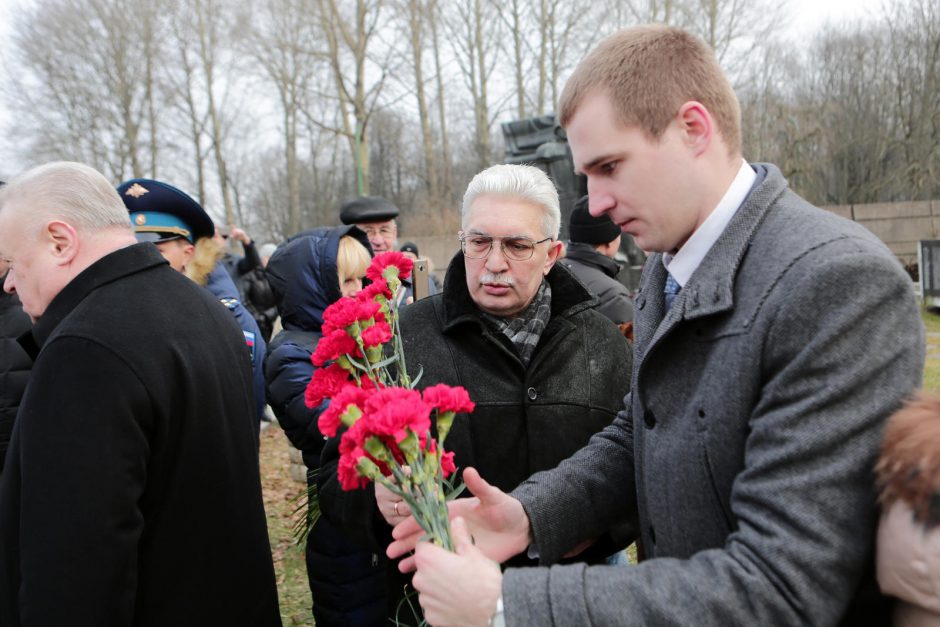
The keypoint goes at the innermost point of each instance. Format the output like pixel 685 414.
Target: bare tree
pixel 913 89
pixel 474 34
pixel 348 38
pixel 434 18
pixel 205 34
pixel 282 42
pixel 84 82
pixel 416 14
pixel 623 13
pixel 736 30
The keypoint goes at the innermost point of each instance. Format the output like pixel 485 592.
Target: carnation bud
pixel 444 421
pixel 374 354
pixel 351 415
pixel 367 468
pixel 376 449
pixel 409 446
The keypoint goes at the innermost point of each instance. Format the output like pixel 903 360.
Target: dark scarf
pixel 525 329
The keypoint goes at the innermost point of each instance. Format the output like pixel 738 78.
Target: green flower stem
pixel 403 379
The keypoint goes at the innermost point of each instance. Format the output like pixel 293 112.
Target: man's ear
pixel 189 251
pixel 62 239
pixel 554 252
pixel 697 126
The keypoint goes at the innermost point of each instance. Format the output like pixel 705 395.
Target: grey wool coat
pixel 745 451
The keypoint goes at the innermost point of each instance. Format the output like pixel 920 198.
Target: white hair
pixel 72 192
pixel 522 182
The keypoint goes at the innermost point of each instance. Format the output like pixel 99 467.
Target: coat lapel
pixel 710 289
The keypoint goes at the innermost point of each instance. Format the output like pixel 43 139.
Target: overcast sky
pixel 807 16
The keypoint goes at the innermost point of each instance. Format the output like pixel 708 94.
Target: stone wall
pixel 900 225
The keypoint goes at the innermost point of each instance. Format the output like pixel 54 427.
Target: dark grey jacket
pixel 598 273
pixel 746 449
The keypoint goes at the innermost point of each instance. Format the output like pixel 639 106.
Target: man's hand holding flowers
pixel 496 521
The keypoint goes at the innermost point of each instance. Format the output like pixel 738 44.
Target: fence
pixel 900 225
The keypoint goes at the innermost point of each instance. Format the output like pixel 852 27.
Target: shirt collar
pixel 687 260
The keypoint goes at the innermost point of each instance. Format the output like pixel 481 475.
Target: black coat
pixel 527 418
pixel 132 493
pixel 14 365
pixel 599 275
pixel 347 582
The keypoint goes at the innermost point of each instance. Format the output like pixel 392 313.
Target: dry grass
pixel 932 366
pixel 279 494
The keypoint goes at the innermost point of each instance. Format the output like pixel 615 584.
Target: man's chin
pixel 501 307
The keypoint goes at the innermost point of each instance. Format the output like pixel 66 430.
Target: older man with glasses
pixel 545 370
pixel 376 216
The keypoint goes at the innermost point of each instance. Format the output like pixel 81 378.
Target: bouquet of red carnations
pixel 361 370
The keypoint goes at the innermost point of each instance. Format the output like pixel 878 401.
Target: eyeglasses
pixel 384 231
pixel 516 247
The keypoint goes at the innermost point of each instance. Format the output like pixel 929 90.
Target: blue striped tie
pixel 671 289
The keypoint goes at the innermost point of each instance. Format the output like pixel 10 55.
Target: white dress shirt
pixel 688 258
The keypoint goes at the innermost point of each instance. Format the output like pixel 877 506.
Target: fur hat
pixel 909 466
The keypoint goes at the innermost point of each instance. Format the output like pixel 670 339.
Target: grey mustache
pixel 489 277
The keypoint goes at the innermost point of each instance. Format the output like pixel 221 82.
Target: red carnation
pixel 378 333
pixel 447 463
pixel 447 398
pixel 393 410
pixel 332 346
pixel 383 264
pixel 340 315
pixel 350 450
pixel 324 384
pixel 373 290
pixel 368 310
pixel 331 418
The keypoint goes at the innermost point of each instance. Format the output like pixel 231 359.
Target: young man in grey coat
pixel 772 341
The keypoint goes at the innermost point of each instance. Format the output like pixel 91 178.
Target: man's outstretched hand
pixel 497 523
pixel 459 588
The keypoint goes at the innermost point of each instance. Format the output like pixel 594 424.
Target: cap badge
pixel 136 190
pixel 141 219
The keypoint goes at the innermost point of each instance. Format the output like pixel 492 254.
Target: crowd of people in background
pixel 726 418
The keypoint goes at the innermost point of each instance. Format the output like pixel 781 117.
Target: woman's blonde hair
pixel 352 259
pixel 207 254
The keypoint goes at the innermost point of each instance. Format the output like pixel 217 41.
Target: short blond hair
pixel 352 259
pixel 649 72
